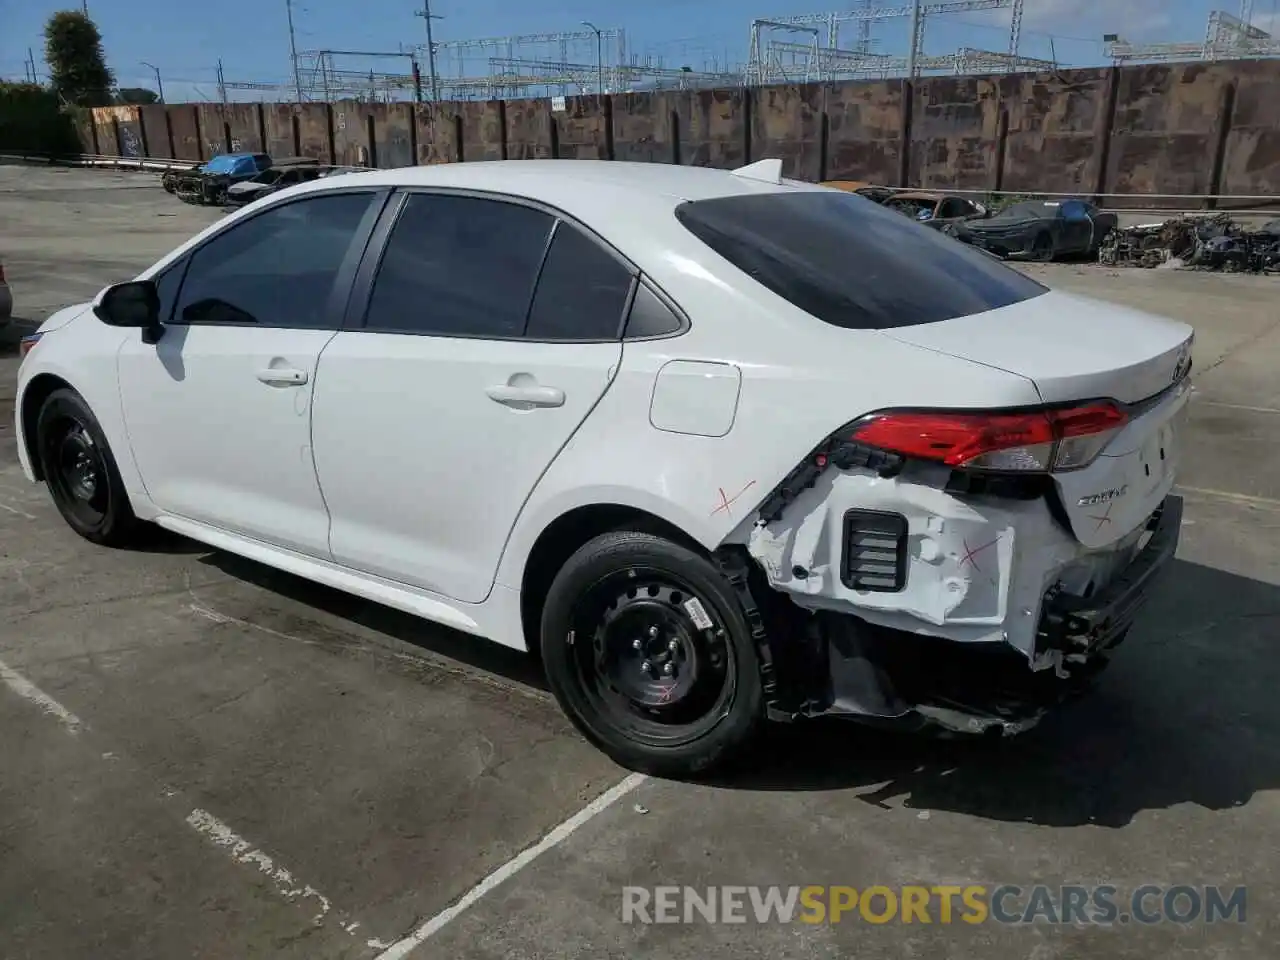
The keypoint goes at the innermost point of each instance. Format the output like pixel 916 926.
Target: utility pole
pixel 159 83
pixel 599 57
pixel 222 84
pixel 32 57
pixel 293 51
pixel 426 14
pixel 915 39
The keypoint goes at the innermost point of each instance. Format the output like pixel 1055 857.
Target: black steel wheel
pixel 81 472
pixel 648 651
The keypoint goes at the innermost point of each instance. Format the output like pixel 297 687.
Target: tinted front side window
pixel 459 266
pixel 277 268
pixel 1074 210
pixel 850 262
pixel 582 290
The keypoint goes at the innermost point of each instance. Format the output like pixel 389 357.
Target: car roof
pixel 573 184
pixel 918 195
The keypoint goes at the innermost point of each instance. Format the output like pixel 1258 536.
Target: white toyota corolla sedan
pixel 721 446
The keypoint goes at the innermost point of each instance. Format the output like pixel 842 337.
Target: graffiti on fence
pixel 130 145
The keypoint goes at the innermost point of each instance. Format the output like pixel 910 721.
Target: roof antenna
pixel 765 171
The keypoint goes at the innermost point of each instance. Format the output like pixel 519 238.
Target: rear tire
pixel 81 471
pixel 648 651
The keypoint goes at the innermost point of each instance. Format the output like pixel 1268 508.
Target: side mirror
pixel 135 303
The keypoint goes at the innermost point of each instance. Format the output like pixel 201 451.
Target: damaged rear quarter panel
pixel 977 568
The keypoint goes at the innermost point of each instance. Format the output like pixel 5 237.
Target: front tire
pixel 81 471
pixel 646 647
pixel 1042 248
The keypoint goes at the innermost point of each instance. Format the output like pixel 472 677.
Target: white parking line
pixel 21 513
pixel 241 850
pixel 513 866
pixel 29 691
pixel 1243 498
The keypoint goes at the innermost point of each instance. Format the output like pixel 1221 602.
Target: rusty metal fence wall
pixel 1173 129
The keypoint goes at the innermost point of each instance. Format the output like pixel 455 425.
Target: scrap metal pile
pixel 1214 242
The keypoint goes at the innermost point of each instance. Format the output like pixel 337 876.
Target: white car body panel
pixel 429 496
pixel 426 494
pixel 215 443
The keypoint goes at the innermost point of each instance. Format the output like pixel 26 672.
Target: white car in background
pixel 720 445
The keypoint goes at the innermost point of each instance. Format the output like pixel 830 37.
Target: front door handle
pixel 524 398
pixel 283 376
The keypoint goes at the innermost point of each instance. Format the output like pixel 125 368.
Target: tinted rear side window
pixel 852 263
pixel 582 290
pixel 459 266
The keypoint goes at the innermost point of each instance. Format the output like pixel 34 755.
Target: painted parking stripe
pixel 29 691
pixel 513 866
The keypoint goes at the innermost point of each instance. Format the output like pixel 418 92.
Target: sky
pixel 251 37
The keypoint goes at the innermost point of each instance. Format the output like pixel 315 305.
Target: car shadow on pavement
pixel 1188 712
pixel 430 637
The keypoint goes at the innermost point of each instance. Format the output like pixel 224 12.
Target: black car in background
pixel 1039 230
pixel 208 183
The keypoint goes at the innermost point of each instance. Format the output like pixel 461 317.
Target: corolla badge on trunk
pixel 1103 496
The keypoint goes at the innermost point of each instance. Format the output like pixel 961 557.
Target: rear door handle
pixel 283 376
pixel 526 397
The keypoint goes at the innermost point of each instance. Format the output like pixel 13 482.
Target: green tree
pixel 136 95
pixel 77 66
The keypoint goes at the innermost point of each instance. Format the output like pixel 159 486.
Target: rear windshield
pixel 851 262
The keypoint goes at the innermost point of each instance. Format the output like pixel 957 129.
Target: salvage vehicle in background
pixel 554 403
pixel 1039 230
pixel 208 183
pixel 935 209
pixel 873 192
pixel 282 173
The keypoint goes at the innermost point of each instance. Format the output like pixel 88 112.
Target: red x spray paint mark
pixel 970 553
pixel 727 502
pixel 1104 519
pixel 665 696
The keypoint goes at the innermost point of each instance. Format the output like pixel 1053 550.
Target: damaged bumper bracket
pixel 913 680
pixel 1081 626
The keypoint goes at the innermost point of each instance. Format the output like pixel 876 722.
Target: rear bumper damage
pixel 989 614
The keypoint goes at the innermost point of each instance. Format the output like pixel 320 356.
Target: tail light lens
pixel 1038 441
pixel 26 344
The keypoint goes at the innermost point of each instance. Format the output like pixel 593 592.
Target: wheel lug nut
pixel 637 643
pixel 646 667
pixel 653 631
pixel 673 645
pixel 668 668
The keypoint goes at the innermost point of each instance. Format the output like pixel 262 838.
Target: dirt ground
pixel 205 758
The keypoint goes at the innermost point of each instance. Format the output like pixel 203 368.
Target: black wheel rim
pixel 653 656
pixel 78 473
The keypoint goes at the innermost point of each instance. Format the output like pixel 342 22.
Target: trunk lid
pixel 1071 347
pixel 1078 349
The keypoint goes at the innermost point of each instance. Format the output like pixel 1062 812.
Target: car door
pixel 1077 226
pixel 489 331
pixel 218 410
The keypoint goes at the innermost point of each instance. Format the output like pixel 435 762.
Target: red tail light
pixel 26 344
pixel 1038 440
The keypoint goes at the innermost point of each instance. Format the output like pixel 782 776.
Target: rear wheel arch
pixel 561 538
pixel 33 398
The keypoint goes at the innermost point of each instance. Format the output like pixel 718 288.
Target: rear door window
pixel 851 263
pixel 582 290
pixel 459 266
